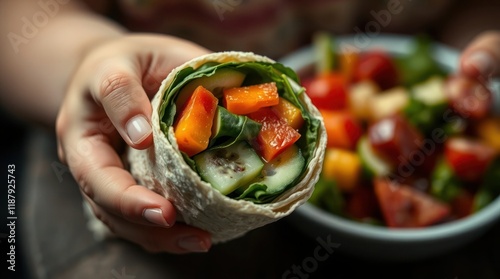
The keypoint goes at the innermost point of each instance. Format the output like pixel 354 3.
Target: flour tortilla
pixel 162 169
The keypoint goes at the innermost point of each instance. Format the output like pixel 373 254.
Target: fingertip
pixel 199 242
pixel 478 63
pixel 139 131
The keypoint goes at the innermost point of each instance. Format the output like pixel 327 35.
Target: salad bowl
pixel 383 242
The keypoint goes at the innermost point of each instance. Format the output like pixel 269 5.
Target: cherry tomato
pixel 468 97
pixel 342 128
pixel 468 158
pixel 406 207
pixel 396 140
pixel 327 91
pixel 377 66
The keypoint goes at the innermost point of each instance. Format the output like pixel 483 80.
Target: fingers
pixel 124 86
pixel 482 56
pixel 178 239
pixel 118 88
pixel 101 176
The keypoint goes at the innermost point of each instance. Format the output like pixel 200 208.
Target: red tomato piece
pixel 405 207
pixel 395 139
pixel 468 158
pixel 275 135
pixel 327 91
pixel 377 66
pixel 468 96
pixel 342 128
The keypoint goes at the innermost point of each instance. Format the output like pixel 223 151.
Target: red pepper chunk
pixel 275 135
pixel 248 99
pixel 193 126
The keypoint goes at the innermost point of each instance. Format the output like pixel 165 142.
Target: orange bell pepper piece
pixel 193 127
pixel 248 99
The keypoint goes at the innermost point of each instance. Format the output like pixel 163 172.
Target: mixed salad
pixel 404 150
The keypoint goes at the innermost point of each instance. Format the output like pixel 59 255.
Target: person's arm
pixel 41 44
pixel 92 81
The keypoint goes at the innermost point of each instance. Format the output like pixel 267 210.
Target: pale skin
pixel 93 82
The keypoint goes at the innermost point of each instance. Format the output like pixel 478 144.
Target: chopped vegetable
pixel 248 99
pixel 228 125
pixel 323 52
pixel 281 171
pixel 348 61
pixel 377 66
pixel 406 207
pixel 388 103
pixel 469 159
pixel 275 135
pixel 373 165
pixel 395 139
pixel 427 105
pixel 489 131
pixel 360 99
pixel 327 91
pixel 445 185
pixel 228 168
pixel 419 64
pixel 342 128
pixel 342 166
pixel 193 127
pixel 225 78
pixel 290 113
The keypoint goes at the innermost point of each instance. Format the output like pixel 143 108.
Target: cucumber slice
pixel 223 78
pixel 234 126
pixel 227 169
pixel 372 164
pixel 282 170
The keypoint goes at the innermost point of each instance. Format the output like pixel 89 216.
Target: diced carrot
pixel 343 166
pixel 193 126
pixel 289 112
pixel 275 135
pixel 248 99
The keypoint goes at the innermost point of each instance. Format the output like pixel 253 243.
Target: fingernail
pixel 193 244
pixel 482 61
pixel 155 216
pixel 138 128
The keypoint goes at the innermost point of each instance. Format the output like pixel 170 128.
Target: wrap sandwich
pixel 237 143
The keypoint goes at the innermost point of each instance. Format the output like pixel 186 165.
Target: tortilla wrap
pixel 163 169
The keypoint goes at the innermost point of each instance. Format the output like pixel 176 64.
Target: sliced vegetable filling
pixel 254 137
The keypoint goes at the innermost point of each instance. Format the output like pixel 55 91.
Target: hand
pixel 107 104
pixel 468 89
pixel 482 56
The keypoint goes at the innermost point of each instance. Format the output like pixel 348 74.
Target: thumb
pixel 119 90
pixel 482 57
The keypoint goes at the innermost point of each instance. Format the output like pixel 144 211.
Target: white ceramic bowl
pixel 380 243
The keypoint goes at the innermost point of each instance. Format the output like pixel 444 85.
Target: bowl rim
pixel 448 57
